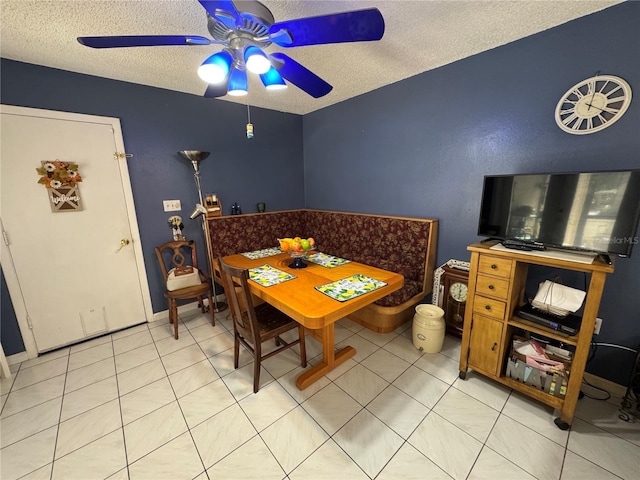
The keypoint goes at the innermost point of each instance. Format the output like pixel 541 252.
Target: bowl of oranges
pixel 298 248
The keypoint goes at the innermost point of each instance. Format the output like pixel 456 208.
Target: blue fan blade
pixel 356 26
pixel 223 10
pixel 142 41
pixel 300 76
pixel 217 90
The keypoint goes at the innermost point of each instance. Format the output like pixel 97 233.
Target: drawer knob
pixel 487 307
pixel 494 347
pixel 491 287
pixel 494 266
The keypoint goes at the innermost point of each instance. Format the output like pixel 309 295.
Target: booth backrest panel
pixel 245 233
pixel 392 243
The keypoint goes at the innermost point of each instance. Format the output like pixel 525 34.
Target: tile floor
pixel 139 404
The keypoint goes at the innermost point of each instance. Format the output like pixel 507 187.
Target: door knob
pixel 123 243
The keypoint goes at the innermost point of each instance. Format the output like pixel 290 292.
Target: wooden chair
pixel 254 325
pixel 183 280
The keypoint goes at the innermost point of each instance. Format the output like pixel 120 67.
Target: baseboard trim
pixel 615 389
pixel 17 358
pixel 183 309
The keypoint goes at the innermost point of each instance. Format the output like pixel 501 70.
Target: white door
pixel 72 277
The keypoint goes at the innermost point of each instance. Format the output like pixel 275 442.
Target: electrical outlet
pixel 596 330
pixel 171 205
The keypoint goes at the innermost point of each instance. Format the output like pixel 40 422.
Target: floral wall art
pixel 61 180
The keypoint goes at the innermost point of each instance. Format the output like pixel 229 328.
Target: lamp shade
pixel 216 68
pixel 238 83
pixel 272 80
pixel 194 155
pixel 255 60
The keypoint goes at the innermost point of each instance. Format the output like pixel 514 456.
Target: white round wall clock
pixel 593 104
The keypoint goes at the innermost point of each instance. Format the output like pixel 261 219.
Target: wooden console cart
pixel 497 280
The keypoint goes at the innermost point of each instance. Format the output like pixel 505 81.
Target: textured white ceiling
pixel 420 35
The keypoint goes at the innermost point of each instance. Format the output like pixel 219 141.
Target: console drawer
pixel 489 307
pixel 494 287
pixel 500 267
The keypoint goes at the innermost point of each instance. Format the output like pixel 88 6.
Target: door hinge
pixel 120 156
pixel 29 322
pixel 5 237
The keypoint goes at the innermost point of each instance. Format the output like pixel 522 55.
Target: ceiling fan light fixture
pixel 238 85
pixel 216 68
pixel 272 80
pixel 256 60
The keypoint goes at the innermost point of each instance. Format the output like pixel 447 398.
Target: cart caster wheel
pixel 561 424
pixel 462 375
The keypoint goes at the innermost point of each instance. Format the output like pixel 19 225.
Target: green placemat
pixel 265 252
pixel 266 275
pixel 327 260
pixel 351 287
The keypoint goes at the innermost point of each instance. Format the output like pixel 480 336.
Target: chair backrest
pixel 236 288
pixel 183 254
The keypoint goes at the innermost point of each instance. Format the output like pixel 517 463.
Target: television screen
pixel 593 211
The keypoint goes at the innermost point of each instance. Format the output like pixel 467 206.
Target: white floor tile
pixel 28 455
pixel 232 425
pixel 33 395
pixel 525 448
pixel 92 373
pixel 483 389
pixel 403 348
pixel 386 364
pixel 409 464
pixel 191 378
pixel 131 342
pixel 268 405
pixel 421 386
pixel 380 339
pixel 218 344
pixel 78 347
pixel 369 442
pixel 605 415
pixel 577 468
pixel 293 438
pixel 203 332
pixel 126 332
pixel 44 371
pixel 45 357
pixel 329 462
pixel 135 357
pixel 288 381
pixel 140 376
pixel 176 459
pixel 604 449
pixel 249 461
pixel 398 411
pixel 535 415
pixel 205 402
pixel 362 384
pixel 282 363
pixel 87 427
pixel 170 344
pixel 467 413
pixel 90 355
pixel 43 473
pixel 440 366
pixel 223 361
pixel 27 422
pixel 451 347
pixel 240 381
pixel 182 358
pixel 86 398
pixel 99 459
pixel 363 347
pixel 153 430
pixel 489 462
pixel 145 400
pixel 453 450
pixel 331 407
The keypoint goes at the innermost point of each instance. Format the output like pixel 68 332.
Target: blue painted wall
pixel 421 147
pixel 156 124
pixel 416 148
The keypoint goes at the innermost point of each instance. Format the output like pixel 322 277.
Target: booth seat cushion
pixel 410 289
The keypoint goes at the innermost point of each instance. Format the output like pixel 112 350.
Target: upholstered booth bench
pixel 403 245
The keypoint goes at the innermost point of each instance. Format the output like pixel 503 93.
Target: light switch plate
pixel 171 205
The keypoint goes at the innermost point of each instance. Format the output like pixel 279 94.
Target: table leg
pixel 330 358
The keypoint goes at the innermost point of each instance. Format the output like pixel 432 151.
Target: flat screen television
pixel 590 211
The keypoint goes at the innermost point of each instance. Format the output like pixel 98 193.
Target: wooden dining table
pixel 318 312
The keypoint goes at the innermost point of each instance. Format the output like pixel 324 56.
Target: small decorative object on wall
pixel 61 180
pixel 593 104
pixel 176 226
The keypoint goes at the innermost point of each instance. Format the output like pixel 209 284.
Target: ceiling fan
pixel 245 28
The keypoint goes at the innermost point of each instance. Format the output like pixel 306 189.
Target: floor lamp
pixel 195 157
